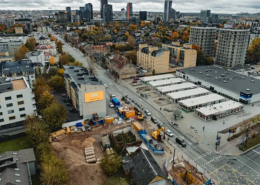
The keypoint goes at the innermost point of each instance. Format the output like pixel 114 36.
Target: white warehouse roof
pixel 176 87
pixel 166 82
pixel 157 77
pixel 187 93
pixel 201 100
pixel 220 107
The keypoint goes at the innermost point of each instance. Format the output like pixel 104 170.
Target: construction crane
pixel 159 134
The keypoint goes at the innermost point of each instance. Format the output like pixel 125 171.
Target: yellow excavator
pixel 138 112
pixel 159 134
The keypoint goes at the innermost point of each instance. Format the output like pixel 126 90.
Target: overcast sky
pixel 216 6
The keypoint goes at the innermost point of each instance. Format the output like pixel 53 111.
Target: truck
pixel 115 102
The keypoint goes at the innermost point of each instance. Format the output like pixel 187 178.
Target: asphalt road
pixel 244 169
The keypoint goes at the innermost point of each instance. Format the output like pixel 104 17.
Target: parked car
pixel 169 133
pixel 64 95
pixel 111 105
pixel 141 75
pixel 106 85
pixel 137 83
pixel 112 96
pixel 68 104
pixel 180 141
pixel 136 78
pixel 147 112
pixel 154 120
pixel 132 77
pixel 73 110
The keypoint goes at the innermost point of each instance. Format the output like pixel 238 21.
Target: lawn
pixel 116 180
pixel 251 143
pixel 14 144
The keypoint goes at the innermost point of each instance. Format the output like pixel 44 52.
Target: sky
pixel 216 6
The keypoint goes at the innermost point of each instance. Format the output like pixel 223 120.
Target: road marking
pixel 256 152
pixel 247 165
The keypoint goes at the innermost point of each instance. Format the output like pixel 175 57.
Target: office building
pixel 37 57
pixel 129 10
pixel 88 11
pixel 26 22
pixel 205 16
pixel 232 47
pixel 167 9
pixel 68 10
pixel 214 18
pixel 169 58
pixel 87 93
pixel 81 13
pixel 102 3
pixel 17 167
pixel 204 37
pixel 123 13
pixel 107 13
pixel 143 15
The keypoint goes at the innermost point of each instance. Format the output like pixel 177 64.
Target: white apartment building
pixel 204 37
pixel 232 47
pixel 16 101
pixel 253 36
pixel 37 57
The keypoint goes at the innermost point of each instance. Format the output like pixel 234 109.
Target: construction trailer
pixel 125 112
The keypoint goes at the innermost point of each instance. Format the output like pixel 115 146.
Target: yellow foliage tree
pixel 95 28
pixel 54 38
pixel 52 61
pixel 196 47
pixel 127 33
pixel 115 31
pixel 175 36
pixel 60 71
pixel 21 53
pixel 198 22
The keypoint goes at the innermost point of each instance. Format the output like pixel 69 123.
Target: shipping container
pixel 137 126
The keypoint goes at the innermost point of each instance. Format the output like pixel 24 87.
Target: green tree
pixel 110 164
pixel 49 35
pixel 131 56
pixel 45 99
pixel 75 63
pixel 64 59
pixel 43 150
pixel 56 82
pixel 59 46
pixel 54 115
pixel 153 71
pixel 30 43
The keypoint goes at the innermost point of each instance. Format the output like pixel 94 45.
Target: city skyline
pixel 193 6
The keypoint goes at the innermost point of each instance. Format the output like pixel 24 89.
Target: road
pixel 244 169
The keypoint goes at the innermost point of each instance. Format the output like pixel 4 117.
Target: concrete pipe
pixel 93 160
pixel 89 153
pixel 90 157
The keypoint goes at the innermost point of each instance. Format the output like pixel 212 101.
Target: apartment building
pixel 86 92
pixel 17 101
pixel 203 37
pixel 166 59
pixel 37 57
pixel 232 47
pixel 10 45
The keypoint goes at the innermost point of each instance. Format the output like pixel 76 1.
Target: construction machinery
pixel 159 135
pixel 125 111
pixel 58 134
pixel 97 120
pixel 138 112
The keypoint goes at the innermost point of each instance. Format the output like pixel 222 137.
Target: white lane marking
pixel 256 152
pixel 247 165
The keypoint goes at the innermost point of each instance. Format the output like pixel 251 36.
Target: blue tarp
pixel 79 124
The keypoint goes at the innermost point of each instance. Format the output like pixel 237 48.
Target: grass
pixel 116 180
pixel 36 179
pixel 184 110
pixel 251 143
pixel 14 144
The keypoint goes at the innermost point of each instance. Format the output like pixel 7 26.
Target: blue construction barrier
pixel 142 134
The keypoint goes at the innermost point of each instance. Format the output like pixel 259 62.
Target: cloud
pixel 217 6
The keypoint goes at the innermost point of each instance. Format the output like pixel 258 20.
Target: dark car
pixel 154 120
pixel 180 142
pixel 64 95
pixel 141 75
pixel 73 110
pixel 132 77
pixel 68 104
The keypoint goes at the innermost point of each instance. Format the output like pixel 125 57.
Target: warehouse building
pixel 86 92
pixel 194 103
pixel 227 83
pixel 156 78
pixel 161 83
pixel 175 88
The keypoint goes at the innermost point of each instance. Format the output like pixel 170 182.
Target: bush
pixel 110 164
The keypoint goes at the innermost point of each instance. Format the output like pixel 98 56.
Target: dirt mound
pixel 76 143
pixel 88 142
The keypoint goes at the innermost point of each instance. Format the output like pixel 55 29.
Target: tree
pixel 110 164
pixel 95 28
pixel 254 50
pixel 153 71
pixel 92 68
pixel 64 59
pixel 198 22
pixel 54 38
pixel 56 82
pixel 45 99
pixel 131 56
pixel 21 53
pixel 66 37
pixel 196 47
pixel 43 150
pixel 49 35
pixel 30 43
pixel 54 115
pixel 59 47
pixel 75 63
pixel 210 61
pixel 131 40
pixel 171 21
pixel 115 31
pixel 215 47
pixel 174 36
pixel 52 61
pixel 60 72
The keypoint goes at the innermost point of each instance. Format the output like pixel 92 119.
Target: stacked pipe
pixel 90 155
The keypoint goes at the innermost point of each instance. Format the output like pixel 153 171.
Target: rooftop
pixel 225 79
pixel 201 100
pixel 187 93
pixel 176 87
pixel 33 53
pixel 166 82
pixel 157 77
pixel 17 68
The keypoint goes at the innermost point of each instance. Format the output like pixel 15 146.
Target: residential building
pixel 86 92
pixel 18 30
pixel 17 101
pixel 37 57
pixel 5 57
pixel 47 48
pixel 9 22
pixel 169 58
pixel 252 36
pixel 26 22
pixel 169 12
pixel 68 10
pixel 121 67
pixel 17 167
pixel 255 28
pixel 143 15
pixel 129 10
pixel 204 37
pixel 102 3
pixel 89 27
pixel 232 47
pixel 205 16
pixel 123 13
pixel 107 13
pixel 88 10
pixel 10 45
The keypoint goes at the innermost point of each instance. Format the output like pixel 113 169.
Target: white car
pixel 111 105
pixel 137 83
pixel 147 112
pixel 106 85
pixel 169 133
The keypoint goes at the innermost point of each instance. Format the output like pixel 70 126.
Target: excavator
pixel 138 112
pixel 159 134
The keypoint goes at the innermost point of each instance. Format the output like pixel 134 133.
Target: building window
pixel 9 105
pixel 1 120
pixel 1 113
pixel 22 109
pixel 8 98
pixel 20 102
pixel 19 96
pixel 12 118
pixel 10 111
pixel 22 115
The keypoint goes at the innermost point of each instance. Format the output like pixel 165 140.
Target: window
pixel 12 118
pixel 8 98
pixel 20 102
pixel 10 111
pixel 1 120
pixel 22 115
pixel 21 109
pixel 19 96
pixel 9 105
pixel 1 113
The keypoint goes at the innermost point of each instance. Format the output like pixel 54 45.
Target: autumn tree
pixel 171 21
pixel 55 39
pixel 66 37
pixel 60 72
pixel 196 47
pixel 185 36
pixel 75 63
pixel 174 36
pixel 49 35
pixel 54 115
pixel 254 50
pixel 52 61
pixel 131 40
pixel 110 164
pixel 21 53
pixel 30 43
pixel 131 56
pixel 43 150
pixel 45 99
pixel 64 59
pixel 215 47
pixel 56 82
pixel 59 46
